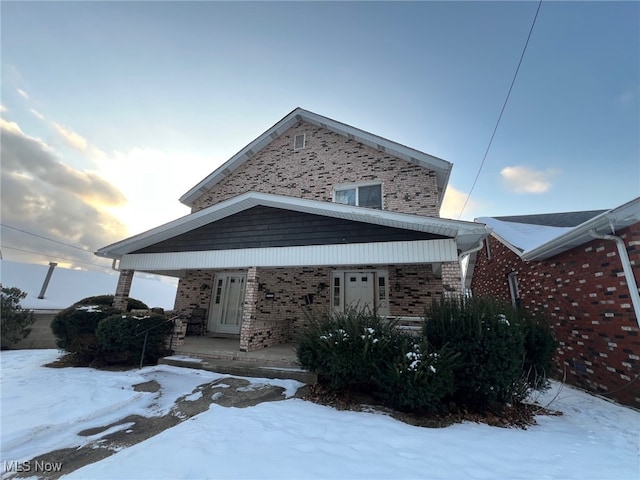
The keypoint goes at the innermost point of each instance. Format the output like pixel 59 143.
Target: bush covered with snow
pixel 346 349
pixel 121 338
pixel 502 352
pixel 75 327
pixel 360 351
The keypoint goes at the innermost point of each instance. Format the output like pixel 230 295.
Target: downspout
pixel 626 267
pixel 464 254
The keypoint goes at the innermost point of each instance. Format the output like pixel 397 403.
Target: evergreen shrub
pixel 75 327
pixel 15 322
pixel 498 348
pixel 121 338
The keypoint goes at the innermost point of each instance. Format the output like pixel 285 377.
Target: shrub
pixel 75 327
pixel 418 378
pixel 489 339
pixel 540 346
pixel 346 349
pixel 121 338
pixel 107 300
pixel 15 323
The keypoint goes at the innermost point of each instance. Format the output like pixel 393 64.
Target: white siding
pixel 421 251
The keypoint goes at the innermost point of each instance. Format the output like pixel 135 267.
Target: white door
pixel 227 303
pixel 359 290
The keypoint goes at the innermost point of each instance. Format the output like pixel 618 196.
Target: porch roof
pixel 459 236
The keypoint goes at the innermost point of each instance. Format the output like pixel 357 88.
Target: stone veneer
pixel 585 295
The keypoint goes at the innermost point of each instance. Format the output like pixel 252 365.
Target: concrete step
pixel 242 368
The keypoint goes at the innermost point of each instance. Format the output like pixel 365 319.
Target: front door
pixel 359 290
pixel 227 303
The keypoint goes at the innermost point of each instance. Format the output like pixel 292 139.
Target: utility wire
pixel 504 105
pixel 57 257
pixel 45 238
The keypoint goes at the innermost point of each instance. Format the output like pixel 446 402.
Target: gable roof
pixel 467 234
pixel 440 166
pixel 538 237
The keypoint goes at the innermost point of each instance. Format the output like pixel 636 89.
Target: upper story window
pixel 299 141
pixel 359 195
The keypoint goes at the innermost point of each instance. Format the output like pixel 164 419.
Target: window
pixel 513 289
pixel 299 141
pixel 360 195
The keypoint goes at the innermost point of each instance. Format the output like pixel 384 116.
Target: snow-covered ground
pixel 43 409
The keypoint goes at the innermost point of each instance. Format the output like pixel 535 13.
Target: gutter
pixel 626 267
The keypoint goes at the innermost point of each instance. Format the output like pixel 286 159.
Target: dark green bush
pixel 107 300
pixel 15 322
pixel 75 327
pixel 418 378
pixel 540 346
pixel 346 349
pixel 490 337
pixel 121 338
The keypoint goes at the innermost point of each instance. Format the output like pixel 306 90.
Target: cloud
pixel 36 114
pixel 452 205
pixel 522 179
pixel 71 138
pixel 3 108
pixel 23 94
pixel 45 197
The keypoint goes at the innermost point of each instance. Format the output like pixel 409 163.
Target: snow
pixel 524 236
pixel 67 286
pixel 43 409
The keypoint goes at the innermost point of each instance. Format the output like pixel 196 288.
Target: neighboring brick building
pixel 312 215
pixel 559 265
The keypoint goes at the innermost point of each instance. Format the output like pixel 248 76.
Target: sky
pixel 110 111
pixel 286 439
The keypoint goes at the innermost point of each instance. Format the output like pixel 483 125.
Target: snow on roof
pixel 524 236
pixel 68 286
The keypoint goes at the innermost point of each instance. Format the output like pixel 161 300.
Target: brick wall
pixel 279 300
pixel 329 159
pixel 584 294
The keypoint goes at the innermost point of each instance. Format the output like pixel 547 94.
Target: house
pixel 312 215
pixel 53 288
pixel 582 271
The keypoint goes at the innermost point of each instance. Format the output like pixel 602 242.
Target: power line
pixel 57 257
pixel 504 105
pixel 45 238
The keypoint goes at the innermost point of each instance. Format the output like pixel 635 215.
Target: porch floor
pixel 223 355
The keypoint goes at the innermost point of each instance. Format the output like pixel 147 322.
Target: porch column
pixel 451 279
pixel 249 309
pixel 123 289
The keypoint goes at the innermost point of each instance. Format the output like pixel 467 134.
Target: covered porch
pixel 259 263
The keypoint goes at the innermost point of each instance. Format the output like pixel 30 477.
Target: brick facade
pixel 584 294
pixel 278 300
pixel 328 159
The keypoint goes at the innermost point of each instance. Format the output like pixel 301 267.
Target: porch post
pixel 123 289
pixel 249 308
pixel 452 279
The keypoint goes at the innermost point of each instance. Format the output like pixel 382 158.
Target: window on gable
pixel 299 141
pixel 360 195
